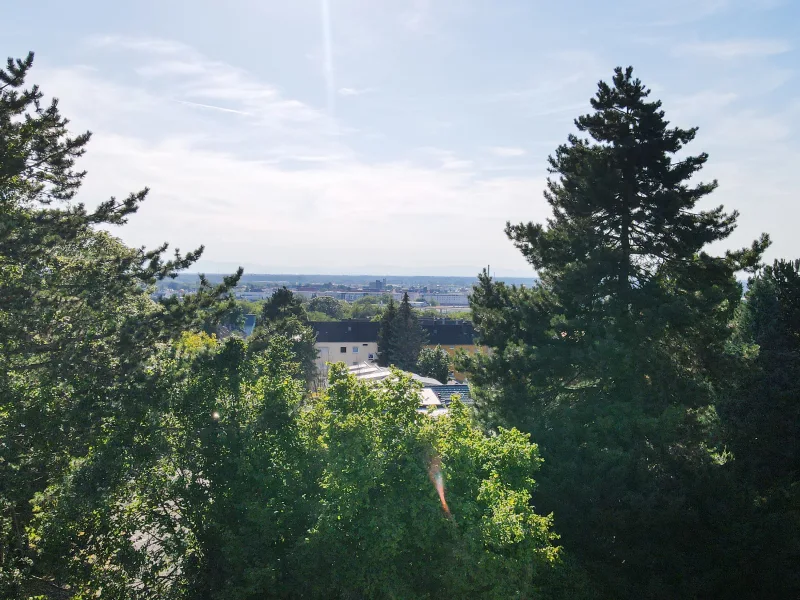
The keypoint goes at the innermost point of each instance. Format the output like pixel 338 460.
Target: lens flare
pixel 435 473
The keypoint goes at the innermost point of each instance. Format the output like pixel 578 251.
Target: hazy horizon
pixel 447 279
pixel 375 272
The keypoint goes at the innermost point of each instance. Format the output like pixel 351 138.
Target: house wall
pixel 355 353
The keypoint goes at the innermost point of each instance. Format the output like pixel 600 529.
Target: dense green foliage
pixel 331 307
pixel 761 421
pixel 617 360
pixel 763 417
pixel 429 313
pixel 367 307
pixel 233 318
pixel 434 362
pixel 77 327
pixel 325 308
pixel 235 492
pixel 283 315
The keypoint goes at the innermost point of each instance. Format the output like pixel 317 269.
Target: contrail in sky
pixel 328 50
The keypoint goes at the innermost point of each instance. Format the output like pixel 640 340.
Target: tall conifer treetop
pixel 621 260
pixel 623 206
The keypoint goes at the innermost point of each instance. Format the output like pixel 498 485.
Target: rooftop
pixel 444 332
pixel 353 330
pixel 371 372
pixel 445 393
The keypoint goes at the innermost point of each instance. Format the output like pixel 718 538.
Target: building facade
pixel 351 342
pixel 448 299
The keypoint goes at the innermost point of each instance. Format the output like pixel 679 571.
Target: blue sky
pixel 398 136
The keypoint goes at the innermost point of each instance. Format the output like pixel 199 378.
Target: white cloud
pixel 141 44
pixel 264 177
pixel 333 216
pixel 347 91
pixel 731 49
pixel 683 108
pixel 189 76
pixel 507 151
pixel 446 159
pixel 212 107
pixel 255 176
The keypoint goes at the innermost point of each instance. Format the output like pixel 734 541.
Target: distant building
pixel 352 296
pixel 446 393
pixel 253 295
pixel 351 342
pixel 307 292
pixel 431 404
pixel 448 299
pixel 356 341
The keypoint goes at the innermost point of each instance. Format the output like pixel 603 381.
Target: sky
pixel 399 136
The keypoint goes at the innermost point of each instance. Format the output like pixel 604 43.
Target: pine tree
pixel 623 256
pixel 613 360
pixel 407 337
pixel 282 304
pixel 761 420
pixel 763 417
pixel 385 334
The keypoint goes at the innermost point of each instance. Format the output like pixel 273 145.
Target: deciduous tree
pixel 327 305
pixel 434 362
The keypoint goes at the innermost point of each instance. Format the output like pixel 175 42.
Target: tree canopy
pixel 434 362
pixel 327 305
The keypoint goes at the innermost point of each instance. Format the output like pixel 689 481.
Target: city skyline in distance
pixel 355 279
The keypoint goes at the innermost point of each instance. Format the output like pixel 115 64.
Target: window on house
pixel 355 349
pixel 343 349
